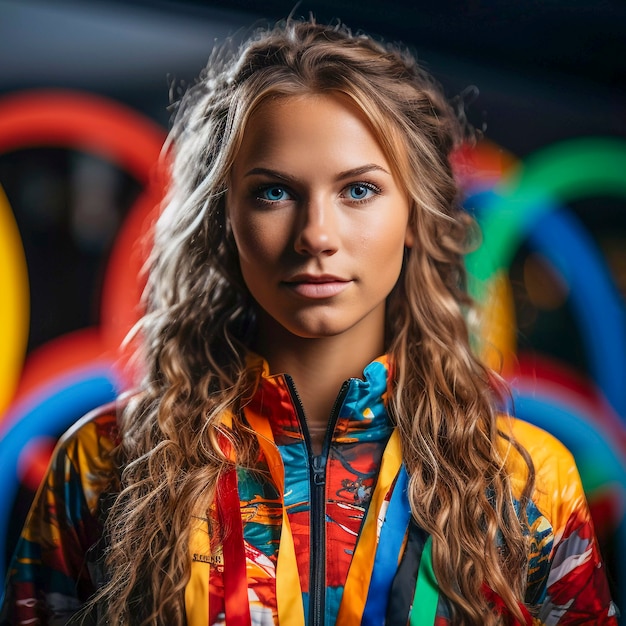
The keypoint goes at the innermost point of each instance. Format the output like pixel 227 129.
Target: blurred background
pixel 85 89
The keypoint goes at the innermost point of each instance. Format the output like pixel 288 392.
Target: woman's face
pixel 319 221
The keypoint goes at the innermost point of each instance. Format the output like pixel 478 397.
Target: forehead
pixel 329 126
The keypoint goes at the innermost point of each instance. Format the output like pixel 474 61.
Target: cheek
pixel 261 249
pixel 387 239
pixel 386 253
pixel 247 245
pixel 250 238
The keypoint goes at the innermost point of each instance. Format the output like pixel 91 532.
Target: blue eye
pixel 360 191
pixel 274 194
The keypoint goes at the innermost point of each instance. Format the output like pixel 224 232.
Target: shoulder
pixel 83 458
pixel 558 490
pixel 99 425
pixel 547 453
pixel 566 577
pixel 92 438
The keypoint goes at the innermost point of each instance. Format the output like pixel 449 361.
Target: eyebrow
pixel 356 171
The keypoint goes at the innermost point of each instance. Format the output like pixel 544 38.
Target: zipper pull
pixel 319 470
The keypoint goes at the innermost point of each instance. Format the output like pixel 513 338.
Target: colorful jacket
pixel 335 526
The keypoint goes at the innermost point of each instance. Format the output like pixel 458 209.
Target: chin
pixel 315 332
pixel 319 328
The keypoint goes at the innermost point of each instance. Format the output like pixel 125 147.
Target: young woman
pixel 314 441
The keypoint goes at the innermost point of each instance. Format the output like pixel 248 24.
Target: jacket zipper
pixel 317 477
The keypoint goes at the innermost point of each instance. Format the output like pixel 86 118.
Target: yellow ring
pixel 14 303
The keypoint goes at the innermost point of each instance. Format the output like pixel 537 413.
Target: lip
pixel 317 287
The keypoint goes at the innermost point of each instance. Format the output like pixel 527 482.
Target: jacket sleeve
pixel 567 578
pixel 54 567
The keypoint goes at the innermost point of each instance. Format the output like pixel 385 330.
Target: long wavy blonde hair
pixel 200 320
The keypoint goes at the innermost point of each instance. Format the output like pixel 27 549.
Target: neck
pixel 318 367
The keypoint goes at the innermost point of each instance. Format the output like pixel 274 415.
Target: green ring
pixel 565 171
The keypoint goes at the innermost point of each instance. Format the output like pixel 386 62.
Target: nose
pixel 317 228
